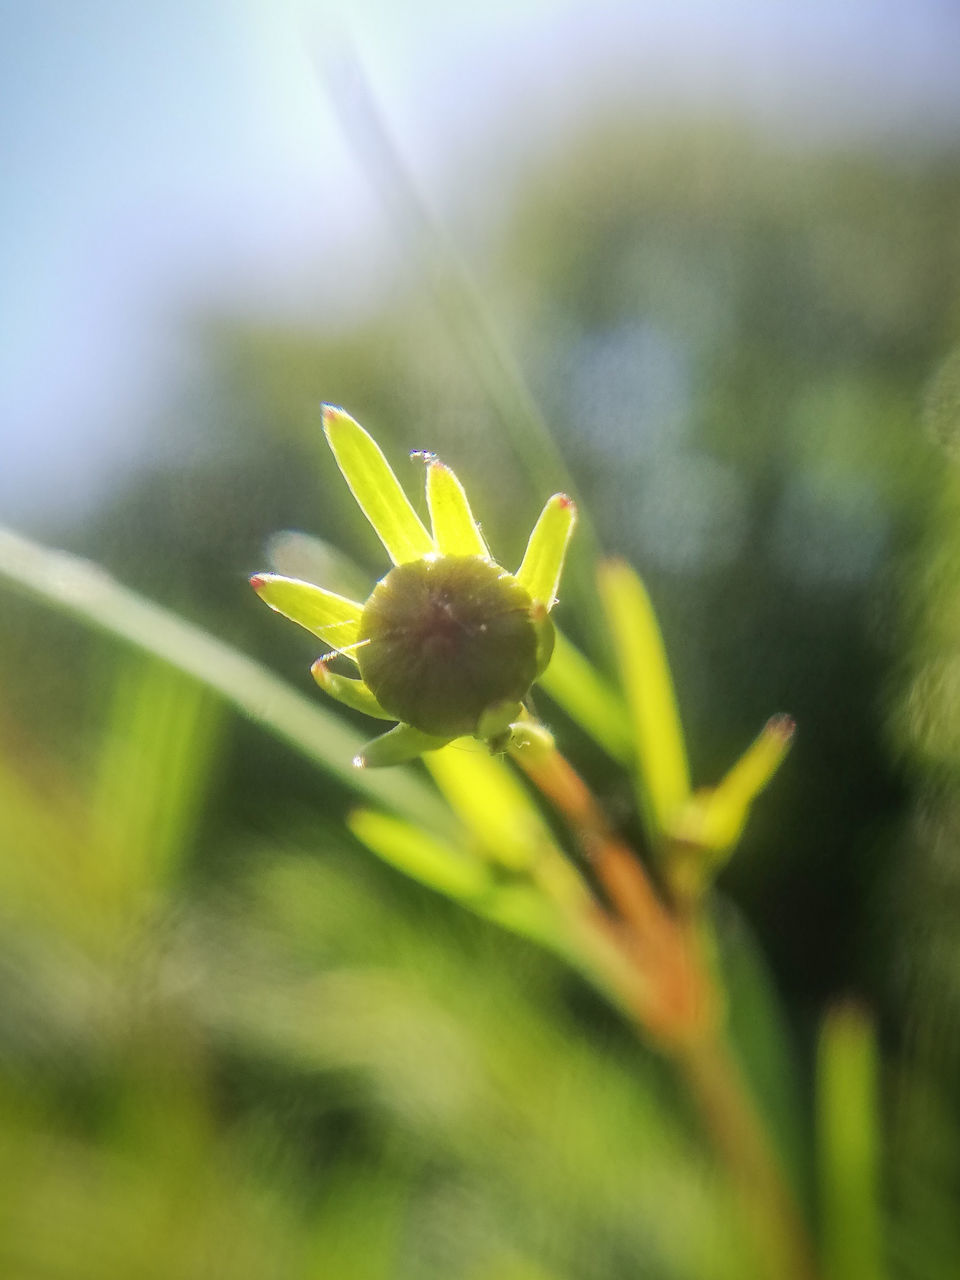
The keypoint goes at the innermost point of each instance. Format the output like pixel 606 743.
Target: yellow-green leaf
pixel 576 686
pixel 662 774
pixel 727 807
pixel 491 803
pixel 848 1127
pixel 547 548
pixel 375 487
pixel 334 619
pixel 455 531
pixel 427 859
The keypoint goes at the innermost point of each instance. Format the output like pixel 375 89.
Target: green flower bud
pixel 444 638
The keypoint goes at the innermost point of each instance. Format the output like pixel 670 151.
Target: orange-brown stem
pixel 675 1003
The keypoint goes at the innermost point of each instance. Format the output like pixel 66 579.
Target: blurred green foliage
pixel 232 1043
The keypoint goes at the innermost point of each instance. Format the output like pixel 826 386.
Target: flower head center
pixel 445 638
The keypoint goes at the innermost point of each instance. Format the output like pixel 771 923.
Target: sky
pixel 159 158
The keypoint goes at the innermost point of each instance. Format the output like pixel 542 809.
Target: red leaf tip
pixel 258 581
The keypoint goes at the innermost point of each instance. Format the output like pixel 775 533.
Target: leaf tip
pixel 781 726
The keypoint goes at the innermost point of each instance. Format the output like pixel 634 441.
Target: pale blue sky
pixel 158 156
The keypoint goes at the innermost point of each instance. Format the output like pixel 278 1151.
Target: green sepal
pixel 455 531
pixel 547 549
pixel 352 693
pixel 397 746
pixel 375 487
pixel 333 619
pixel 546 636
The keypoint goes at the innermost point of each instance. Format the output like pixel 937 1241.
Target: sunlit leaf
pixel 84 590
pixel 334 619
pixel 411 850
pixel 455 531
pixel 491 803
pixel 375 487
pixel 715 818
pixel 544 556
pixel 575 685
pixel 848 1119
pixel 662 775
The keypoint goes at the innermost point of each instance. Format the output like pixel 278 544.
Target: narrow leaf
pixel 354 694
pixel 87 592
pixel 375 487
pixel 725 809
pixel 491 803
pixel 547 548
pixel 455 531
pixel 848 1123
pixel 333 618
pixel 662 775
pixel 431 861
pixel 581 691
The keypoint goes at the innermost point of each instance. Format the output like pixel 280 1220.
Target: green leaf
pixel 848 1123
pixel 411 850
pixel 352 693
pixel 334 619
pixel 662 775
pixel 715 818
pixel 161 739
pixel 547 548
pixel 491 803
pixel 455 531
pixel 581 691
pixel 84 590
pixel 375 487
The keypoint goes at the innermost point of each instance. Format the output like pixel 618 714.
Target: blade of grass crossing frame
pixel 848 1121
pixel 85 591
pixel 580 690
pixel 547 548
pixel 334 619
pixel 455 531
pixel 375 487
pixel 662 775
pixel 159 747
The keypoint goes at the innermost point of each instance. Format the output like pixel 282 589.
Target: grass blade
pixel 84 590
pixel 662 774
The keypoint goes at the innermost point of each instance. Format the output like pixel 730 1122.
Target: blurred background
pixel 699 262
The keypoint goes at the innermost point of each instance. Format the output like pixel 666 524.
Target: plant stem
pixel 675 1002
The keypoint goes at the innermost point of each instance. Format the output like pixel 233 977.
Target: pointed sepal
pixel 547 549
pixel 455 531
pixel 397 746
pixel 352 693
pixel 375 487
pixel 333 619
